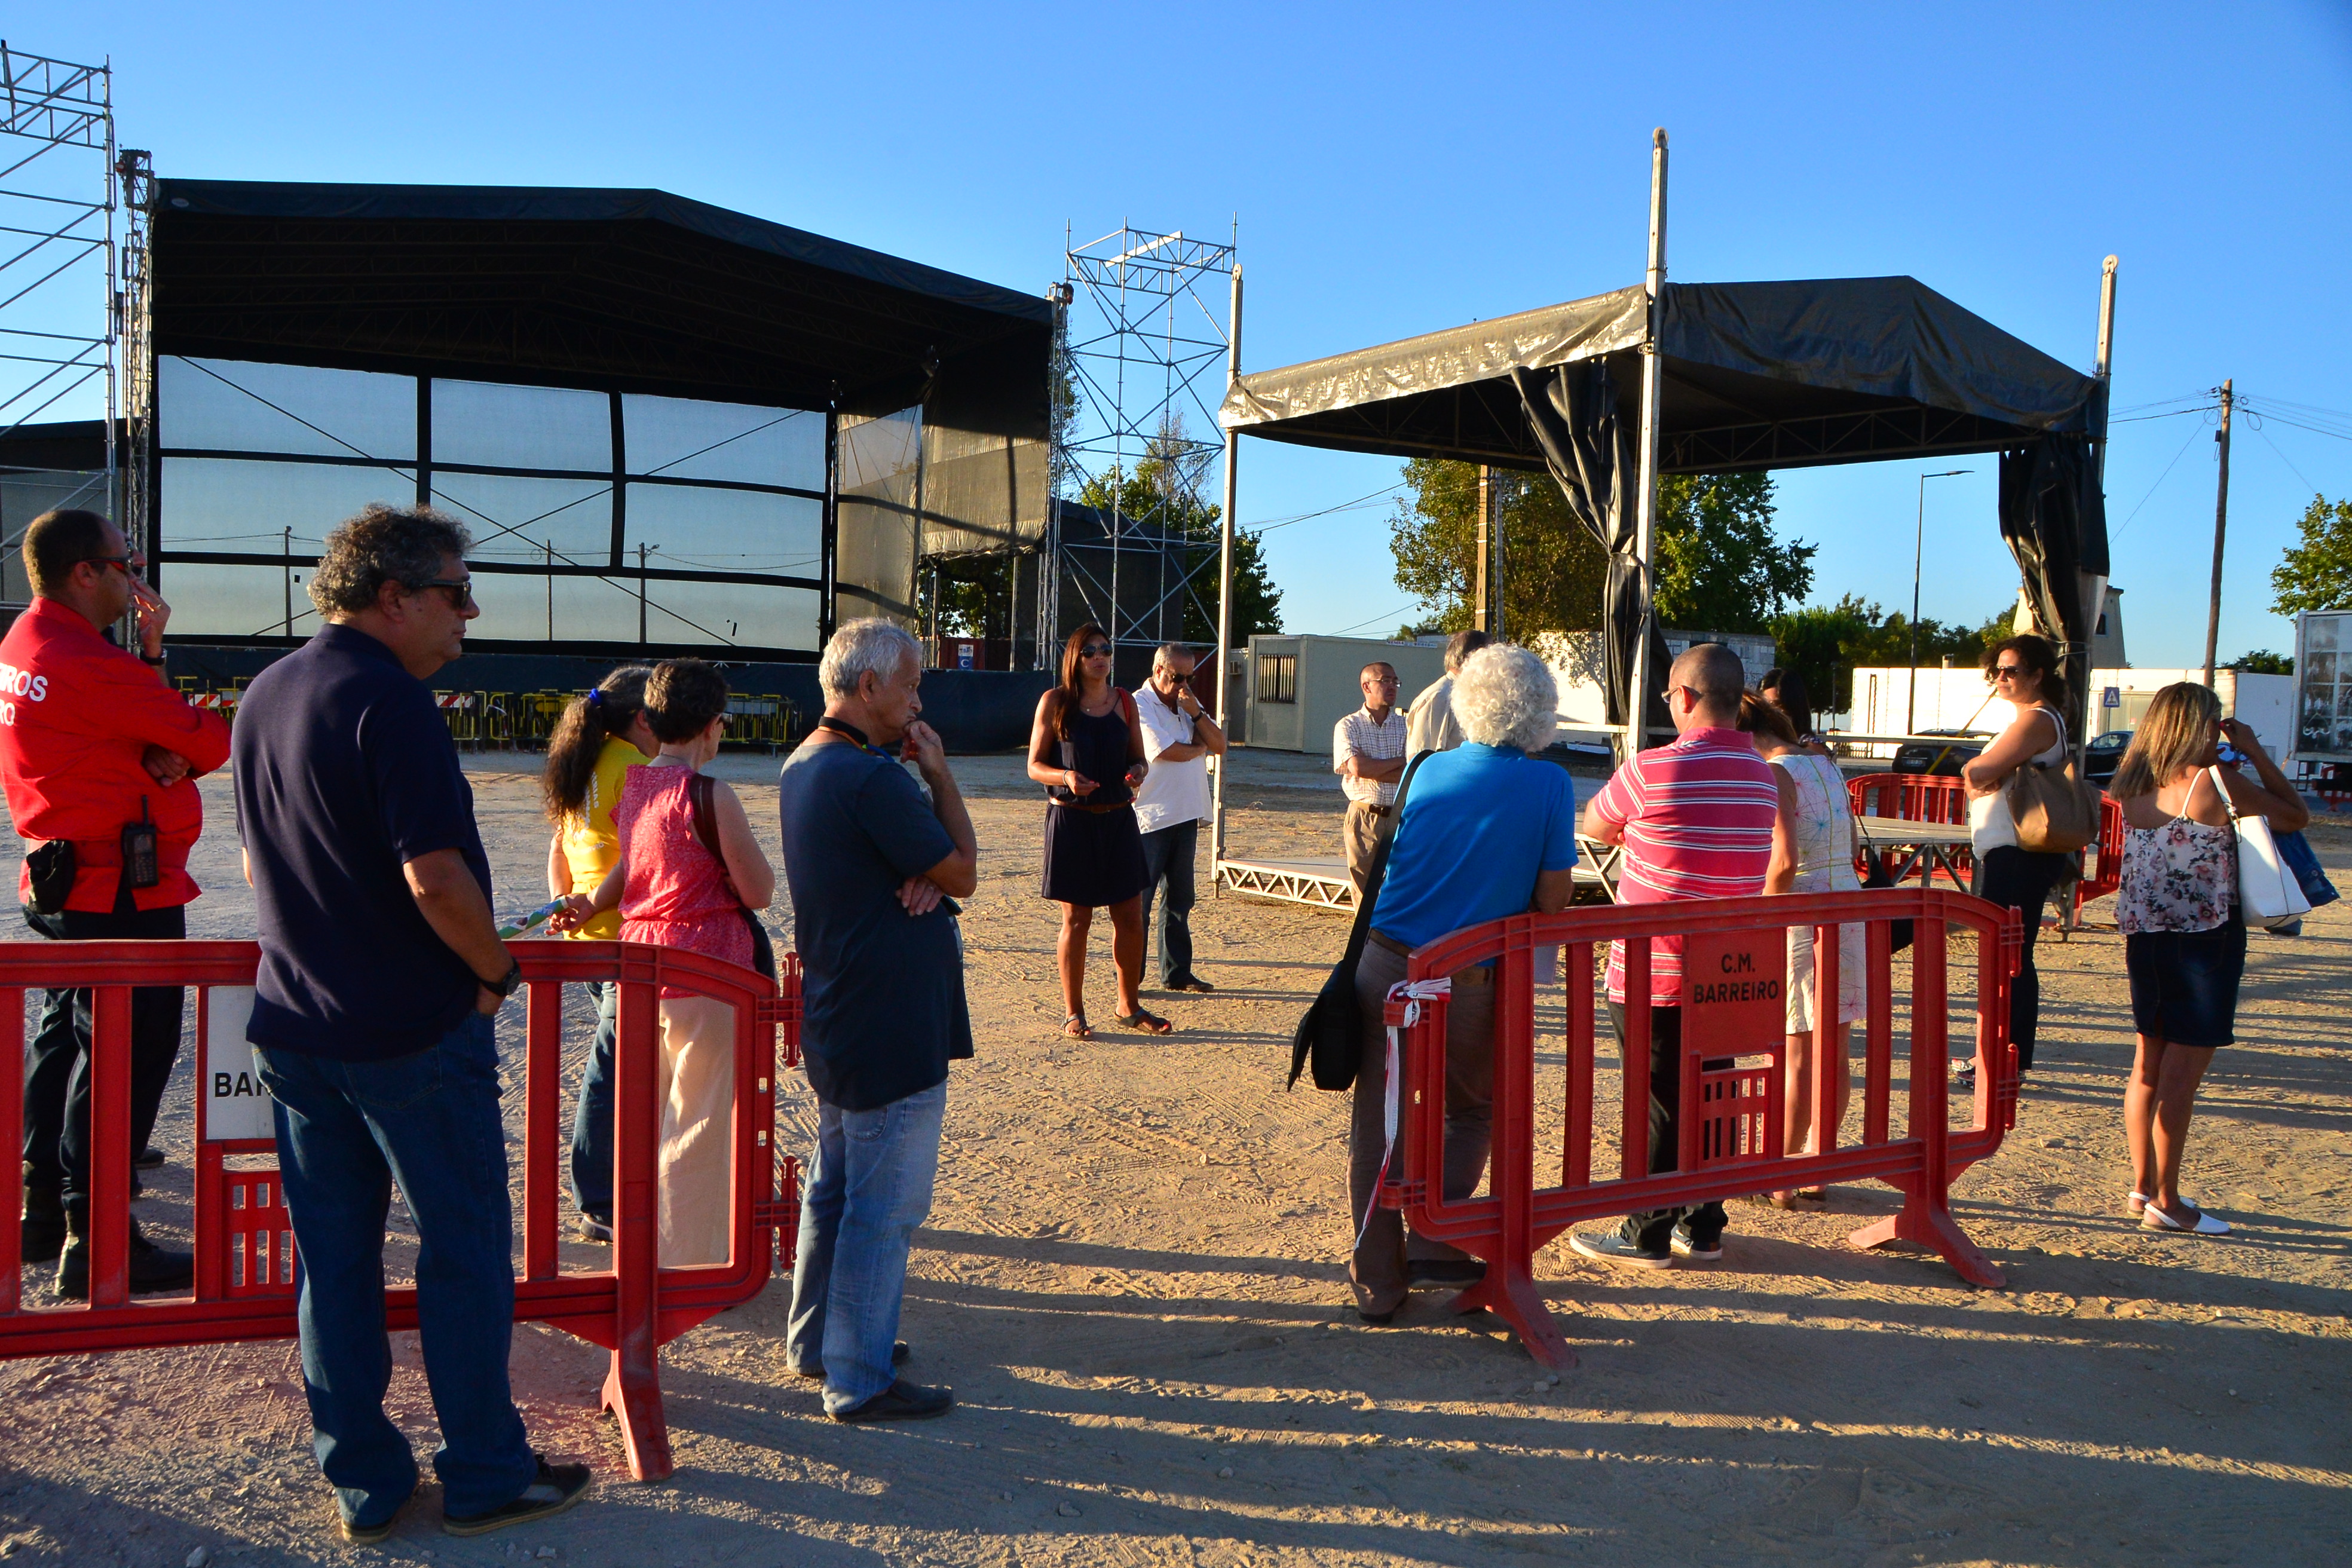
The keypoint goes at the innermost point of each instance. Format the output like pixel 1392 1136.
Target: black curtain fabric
pixel 2053 516
pixel 1572 411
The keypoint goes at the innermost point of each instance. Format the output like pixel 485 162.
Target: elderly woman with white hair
pixel 1487 830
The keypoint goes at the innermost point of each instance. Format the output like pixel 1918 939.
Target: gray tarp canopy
pixel 1755 375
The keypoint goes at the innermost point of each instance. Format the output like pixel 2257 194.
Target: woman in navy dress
pixel 1087 751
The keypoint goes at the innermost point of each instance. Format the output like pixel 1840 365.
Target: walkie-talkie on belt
pixel 139 865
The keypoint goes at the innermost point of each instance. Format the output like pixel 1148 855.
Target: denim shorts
pixel 2184 984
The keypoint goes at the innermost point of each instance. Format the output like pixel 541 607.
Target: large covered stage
pixel 1605 393
pixel 671 427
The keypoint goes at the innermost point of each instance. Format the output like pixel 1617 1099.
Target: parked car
pixel 2104 755
pixel 1939 757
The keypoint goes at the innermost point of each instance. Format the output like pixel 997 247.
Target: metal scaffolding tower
pixel 1143 348
pixel 61 185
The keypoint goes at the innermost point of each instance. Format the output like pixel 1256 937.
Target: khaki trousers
pixel 696 1085
pixel 1377 1267
pixel 1363 834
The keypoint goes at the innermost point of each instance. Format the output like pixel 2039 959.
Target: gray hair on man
pixel 1169 652
pixel 1504 695
pixel 868 644
pixel 407 546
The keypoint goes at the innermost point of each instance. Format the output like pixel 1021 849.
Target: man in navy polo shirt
pixel 381 972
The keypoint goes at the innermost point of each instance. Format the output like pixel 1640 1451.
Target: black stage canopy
pixel 1753 375
pixel 633 290
pixel 1757 375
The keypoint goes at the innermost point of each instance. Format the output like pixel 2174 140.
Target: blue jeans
pixel 871 1186
pixel 346 1131
pixel 1168 853
pixel 592 1123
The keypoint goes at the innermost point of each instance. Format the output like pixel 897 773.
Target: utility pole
pixel 1478 607
pixel 641 595
pixel 2221 527
pixel 286 551
pixel 551 590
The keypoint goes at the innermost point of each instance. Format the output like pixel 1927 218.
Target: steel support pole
pixel 2221 528
pixel 1645 515
pixel 1480 613
pixel 1226 593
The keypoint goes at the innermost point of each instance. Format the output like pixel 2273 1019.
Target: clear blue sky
pixel 1398 169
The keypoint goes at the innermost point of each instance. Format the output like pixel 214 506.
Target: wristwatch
pixel 505 985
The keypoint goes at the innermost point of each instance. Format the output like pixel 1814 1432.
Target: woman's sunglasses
pixel 1095 650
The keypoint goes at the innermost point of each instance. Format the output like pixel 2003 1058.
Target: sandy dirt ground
pixel 1133 1277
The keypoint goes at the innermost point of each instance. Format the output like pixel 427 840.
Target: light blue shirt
pixel 1479 823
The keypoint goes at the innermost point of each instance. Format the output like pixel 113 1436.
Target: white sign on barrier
pixel 236 1104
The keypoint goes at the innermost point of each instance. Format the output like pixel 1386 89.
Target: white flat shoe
pixel 2138 1201
pixel 2154 1218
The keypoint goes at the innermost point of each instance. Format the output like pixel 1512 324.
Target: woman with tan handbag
pixel 2184 927
pixel 2023 671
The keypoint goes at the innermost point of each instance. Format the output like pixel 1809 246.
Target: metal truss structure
pixel 1322 883
pixel 59 192
pixel 1143 352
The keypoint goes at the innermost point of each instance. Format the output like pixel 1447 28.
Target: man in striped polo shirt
pixel 1696 819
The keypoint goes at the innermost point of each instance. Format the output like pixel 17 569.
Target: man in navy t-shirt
pixel 381 970
pixel 869 861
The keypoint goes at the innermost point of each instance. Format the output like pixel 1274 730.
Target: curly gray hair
pixel 383 544
pixel 1506 696
pixel 857 646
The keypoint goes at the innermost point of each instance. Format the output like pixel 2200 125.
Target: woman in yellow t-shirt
pixel 599 738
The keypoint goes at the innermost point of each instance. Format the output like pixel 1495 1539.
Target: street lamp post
pixel 1918 547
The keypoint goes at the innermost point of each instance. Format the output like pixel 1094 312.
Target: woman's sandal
pixel 1074 1025
pixel 1150 1022
pixel 2154 1218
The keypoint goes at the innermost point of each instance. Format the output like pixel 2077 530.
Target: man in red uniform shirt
pixel 94 740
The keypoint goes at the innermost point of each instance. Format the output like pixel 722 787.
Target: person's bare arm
pixel 1781 875
pixel 1207 739
pixel 2275 795
pixel 1044 747
pixel 1554 889
pixel 958 876
pixel 2030 734
pixel 747 866
pixel 1600 828
pixel 452 903
pixel 579 909
pixel 559 870
pixel 1378 769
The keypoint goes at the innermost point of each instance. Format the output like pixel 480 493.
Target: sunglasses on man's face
pixel 460 589
pixel 120 562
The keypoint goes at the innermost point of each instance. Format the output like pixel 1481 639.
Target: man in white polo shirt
pixel 1170 803
pixel 1368 752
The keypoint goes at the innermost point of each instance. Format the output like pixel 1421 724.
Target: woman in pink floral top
pixel 673 892
pixel 2184 940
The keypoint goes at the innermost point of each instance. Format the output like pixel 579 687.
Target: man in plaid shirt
pixel 1368 754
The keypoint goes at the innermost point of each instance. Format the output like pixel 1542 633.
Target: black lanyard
pixel 851 733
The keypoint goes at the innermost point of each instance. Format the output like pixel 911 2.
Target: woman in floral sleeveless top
pixel 2184 939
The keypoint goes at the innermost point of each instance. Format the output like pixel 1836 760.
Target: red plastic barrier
pixel 2103 863
pixel 1730 1123
pixel 1911 797
pixel 245 1286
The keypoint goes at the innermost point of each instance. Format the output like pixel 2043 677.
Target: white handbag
pixel 2269 894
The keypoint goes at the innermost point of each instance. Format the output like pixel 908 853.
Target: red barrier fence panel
pixel 2103 863
pixel 1912 797
pixel 246 1284
pixel 1733 1084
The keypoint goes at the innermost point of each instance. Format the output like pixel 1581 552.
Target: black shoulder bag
pixel 1330 1037
pixel 699 797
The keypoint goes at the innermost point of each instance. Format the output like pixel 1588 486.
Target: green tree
pixel 1553 568
pixel 2263 661
pixel 1720 565
pixel 1823 643
pixel 2316 575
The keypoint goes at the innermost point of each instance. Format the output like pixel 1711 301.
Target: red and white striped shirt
pixel 1699 818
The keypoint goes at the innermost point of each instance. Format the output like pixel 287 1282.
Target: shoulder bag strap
pixel 1379 870
pixel 700 794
